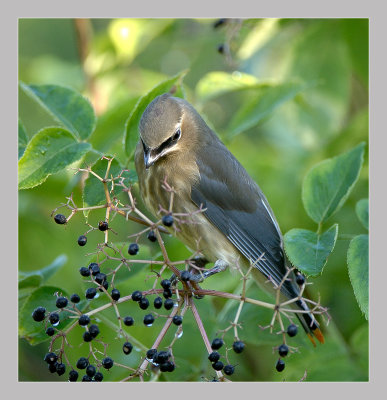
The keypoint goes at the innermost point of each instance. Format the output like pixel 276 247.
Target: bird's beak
pixel 149 158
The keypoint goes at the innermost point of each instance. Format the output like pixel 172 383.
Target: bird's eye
pixel 177 135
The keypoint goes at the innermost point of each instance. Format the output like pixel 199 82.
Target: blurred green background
pixel 113 62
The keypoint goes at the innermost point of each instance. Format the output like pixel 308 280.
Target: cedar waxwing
pixel 237 224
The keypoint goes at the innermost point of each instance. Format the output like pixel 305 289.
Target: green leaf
pixel 357 258
pixel 34 331
pixel 37 277
pixel 22 139
pixel 362 212
pixel 217 83
pixel 266 98
pixel 93 192
pixel 48 152
pixel 131 126
pixel 67 106
pixel 309 251
pixel 328 184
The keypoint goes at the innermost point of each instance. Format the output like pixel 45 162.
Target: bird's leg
pixel 198 261
pixel 219 266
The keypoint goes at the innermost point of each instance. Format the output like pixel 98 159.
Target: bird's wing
pixel 237 207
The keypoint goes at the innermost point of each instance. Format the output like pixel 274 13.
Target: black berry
pixel 214 356
pixel 228 369
pixel 144 303
pixel 86 378
pixel 94 331
pixel 221 48
pixel 75 298
pixel 161 357
pixel 300 279
pixel 127 347
pixel 90 370
pixel 52 367
pixel 84 271
pixel 105 284
pixel 165 283
pixel 238 346
pixel 167 366
pixel 151 353
pixel 128 321
pixel 90 293
pixel 116 294
pixel 283 350
pixel 82 240
pixel 50 358
pixel 216 344
pixel 133 249
pixel 185 276
pixel 50 331
pixel 94 269
pixel 39 314
pixel 61 302
pixel 53 318
pixel 280 366
pixel 107 362
pixel 84 320
pixel 103 226
pixel 98 377
pixel 158 302
pixel 219 22
pixel 292 330
pixel 82 363
pixel 60 369
pixel 167 220
pixel 60 219
pixel 177 320
pixel 168 304
pixel 167 293
pixel 149 319
pixel 218 366
pixel 87 337
pixel 136 295
pixel 100 277
pixel 73 375
pixel 152 236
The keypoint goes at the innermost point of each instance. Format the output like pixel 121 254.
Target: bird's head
pixel 169 126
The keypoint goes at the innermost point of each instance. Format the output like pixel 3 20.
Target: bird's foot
pixel 219 266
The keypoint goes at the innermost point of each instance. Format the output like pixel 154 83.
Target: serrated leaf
pixel 34 331
pixel 48 152
pixel 217 83
pixel 93 192
pixel 357 258
pixel 131 126
pixel 22 139
pixel 265 100
pixel 328 184
pixel 309 251
pixel 67 106
pixel 362 212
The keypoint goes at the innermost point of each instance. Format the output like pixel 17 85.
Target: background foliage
pixel 291 93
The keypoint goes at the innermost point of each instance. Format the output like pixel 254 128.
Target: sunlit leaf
pixel 264 100
pixel 309 251
pixel 22 139
pixel 362 212
pixel 217 83
pixel 328 184
pixel 49 151
pixel 357 258
pixel 66 105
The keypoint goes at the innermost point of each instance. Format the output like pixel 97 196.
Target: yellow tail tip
pixel 311 339
pixel 318 334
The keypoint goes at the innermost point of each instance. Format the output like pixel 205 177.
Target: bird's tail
pixel 309 323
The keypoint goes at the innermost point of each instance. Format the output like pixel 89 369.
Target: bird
pixel 235 224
